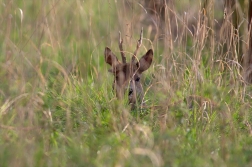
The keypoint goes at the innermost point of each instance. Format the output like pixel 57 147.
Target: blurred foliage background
pixel 57 106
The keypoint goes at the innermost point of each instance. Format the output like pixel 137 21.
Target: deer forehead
pixel 128 69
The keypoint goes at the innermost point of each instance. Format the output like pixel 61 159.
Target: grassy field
pixel 57 106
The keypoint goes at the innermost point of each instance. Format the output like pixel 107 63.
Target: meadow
pixel 58 108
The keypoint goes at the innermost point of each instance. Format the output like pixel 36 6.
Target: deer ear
pixel 110 58
pixel 145 61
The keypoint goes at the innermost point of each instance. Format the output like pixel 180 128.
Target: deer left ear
pixel 145 61
pixel 110 58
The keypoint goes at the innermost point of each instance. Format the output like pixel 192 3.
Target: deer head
pixel 127 76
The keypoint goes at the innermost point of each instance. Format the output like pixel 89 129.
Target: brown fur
pixel 127 75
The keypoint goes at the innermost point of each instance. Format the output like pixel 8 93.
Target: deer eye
pixel 137 64
pixel 137 79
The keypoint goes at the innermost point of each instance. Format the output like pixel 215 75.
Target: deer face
pixel 127 76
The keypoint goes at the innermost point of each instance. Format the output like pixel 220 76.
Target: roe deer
pixel 127 75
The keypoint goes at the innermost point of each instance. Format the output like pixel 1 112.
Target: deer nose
pixel 130 91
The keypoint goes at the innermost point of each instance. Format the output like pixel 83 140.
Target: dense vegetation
pixel 57 106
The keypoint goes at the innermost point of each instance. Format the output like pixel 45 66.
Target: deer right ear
pixel 145 61
pixel 110 58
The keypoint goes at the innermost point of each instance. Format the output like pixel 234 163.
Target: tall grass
pixel 57 106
